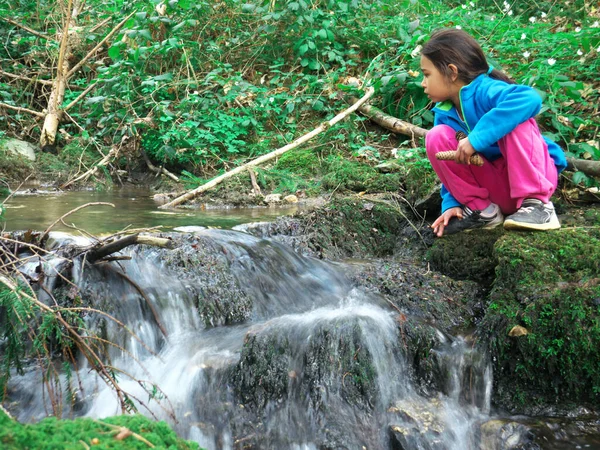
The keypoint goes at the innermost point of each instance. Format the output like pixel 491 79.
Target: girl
pixel 521 167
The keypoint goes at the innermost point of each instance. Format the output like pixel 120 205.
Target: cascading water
pixel 304 360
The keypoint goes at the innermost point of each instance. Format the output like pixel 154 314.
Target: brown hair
pixel 453 46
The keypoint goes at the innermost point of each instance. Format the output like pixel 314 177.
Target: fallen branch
pixel 18 109
pixel 105 250
pixel 103 162
pixel 79 97
pixel 194 193
pixel 26 28
pixel 590 168
pixel 158 170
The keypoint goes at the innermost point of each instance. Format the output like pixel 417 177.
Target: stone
pixel 272 198
pixel 517 331
pixel 18 146
pixel 290 199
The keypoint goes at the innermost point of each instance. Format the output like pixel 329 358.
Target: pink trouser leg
pixel 532 171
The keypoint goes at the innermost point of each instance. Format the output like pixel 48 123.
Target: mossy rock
pixel 466 256
pixel 548 283
pixel 54 434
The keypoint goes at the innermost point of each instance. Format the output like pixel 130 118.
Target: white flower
pixel 271 99
pixel 510 13
pixel 596 24
pixel 577 30
pixel 492 18
pixel 579 52
pixel 598 50
pixel 458 27
pixel 551 61
pixel 532 19
pixel 464 6
pixel 472 4
pixel 543 15
pixel 523 36
pixel 526 55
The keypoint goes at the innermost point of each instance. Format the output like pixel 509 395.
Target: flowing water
pixel 297 302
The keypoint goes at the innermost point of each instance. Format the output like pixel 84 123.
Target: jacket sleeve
pixel 448 201
pixel 507 106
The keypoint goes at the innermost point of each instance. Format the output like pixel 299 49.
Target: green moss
pixel 548 283
pixel 54 434
pixel 466 256
pixel 343 174
pixel 418 177
pixel 300 162
pixel 14 167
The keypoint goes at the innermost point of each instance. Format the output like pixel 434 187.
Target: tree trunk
pixel 54 113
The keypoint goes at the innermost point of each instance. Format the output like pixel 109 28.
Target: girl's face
pixel 437 86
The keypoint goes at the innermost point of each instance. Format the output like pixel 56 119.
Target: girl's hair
pixel 454 46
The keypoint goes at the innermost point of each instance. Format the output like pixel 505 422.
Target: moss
pixel 54 434
pixel 343 174
pixel 14 167
pixel 548 283
pixel 300 162
pixel 466 256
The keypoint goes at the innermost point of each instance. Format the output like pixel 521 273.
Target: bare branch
pixel 71 212
pixel 79 97
pixel 20 77
pixel 19 109
pixel 26 28
pixel 91 53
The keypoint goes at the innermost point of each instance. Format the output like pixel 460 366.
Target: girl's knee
pixel 440 139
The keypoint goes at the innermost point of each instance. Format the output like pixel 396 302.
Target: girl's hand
pixel 464 151
pixel 441 222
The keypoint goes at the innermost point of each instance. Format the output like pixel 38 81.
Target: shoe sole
pixel 510 224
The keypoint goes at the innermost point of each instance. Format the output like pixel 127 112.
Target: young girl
pixel 521 167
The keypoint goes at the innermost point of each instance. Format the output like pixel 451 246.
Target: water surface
pixel 134 208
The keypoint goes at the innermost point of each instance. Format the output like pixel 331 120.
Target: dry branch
pixel 103 162
pixel 26 28
pixel 68 214
pixel 158 170
pixel 18 109
pixel 194 193
pixel 21 77
pixel 104 250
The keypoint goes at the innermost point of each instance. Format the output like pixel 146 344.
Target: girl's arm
pixel 508 106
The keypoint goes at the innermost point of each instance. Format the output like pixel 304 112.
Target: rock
pixel 290 199
pixel 272 198
pixel 517 331
pixel 388 167
pixel 506 435
pixel 21 147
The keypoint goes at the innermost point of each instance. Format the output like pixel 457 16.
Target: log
pixel 194 193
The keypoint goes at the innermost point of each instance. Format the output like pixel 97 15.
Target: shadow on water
pixel 134 208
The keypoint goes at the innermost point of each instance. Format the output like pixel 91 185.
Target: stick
pixel 77 66
pixel 450 155
pixel 590 168
pixel 18 109
pixel 26 28
pixel 69 213
pixel 194 193
pixel 20 77
pixel 80 96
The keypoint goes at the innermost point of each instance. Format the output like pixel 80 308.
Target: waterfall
pixel 264 348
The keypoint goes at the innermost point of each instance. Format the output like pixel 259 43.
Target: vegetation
pixel 204 86
pixel 121 432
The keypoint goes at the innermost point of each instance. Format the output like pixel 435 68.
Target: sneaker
pixel 474 219
pixel 533 215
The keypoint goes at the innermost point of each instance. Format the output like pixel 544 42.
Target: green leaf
pixel 115 53
pixel 303 49
pixel 318 105
pixel 313 64
pixel 322 33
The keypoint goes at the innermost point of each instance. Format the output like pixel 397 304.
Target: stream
pixel 263 348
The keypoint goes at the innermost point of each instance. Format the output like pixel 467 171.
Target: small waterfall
pixel 305 360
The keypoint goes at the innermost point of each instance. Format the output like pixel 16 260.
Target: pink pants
pixel 525 170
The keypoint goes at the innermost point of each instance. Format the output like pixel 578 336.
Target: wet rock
pixel 506 435
pixel 290 199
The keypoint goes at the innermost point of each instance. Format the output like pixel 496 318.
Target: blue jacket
pixel 492 109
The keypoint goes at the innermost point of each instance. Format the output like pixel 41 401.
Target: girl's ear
pixel 453 72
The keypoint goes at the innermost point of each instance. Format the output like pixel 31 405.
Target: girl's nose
pixel 423 83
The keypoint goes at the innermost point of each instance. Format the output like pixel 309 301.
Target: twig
pixel 21 77
pixel 71 212
pixel 79 97
pixel 26 28
pixel 135 435
pixel 19 109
